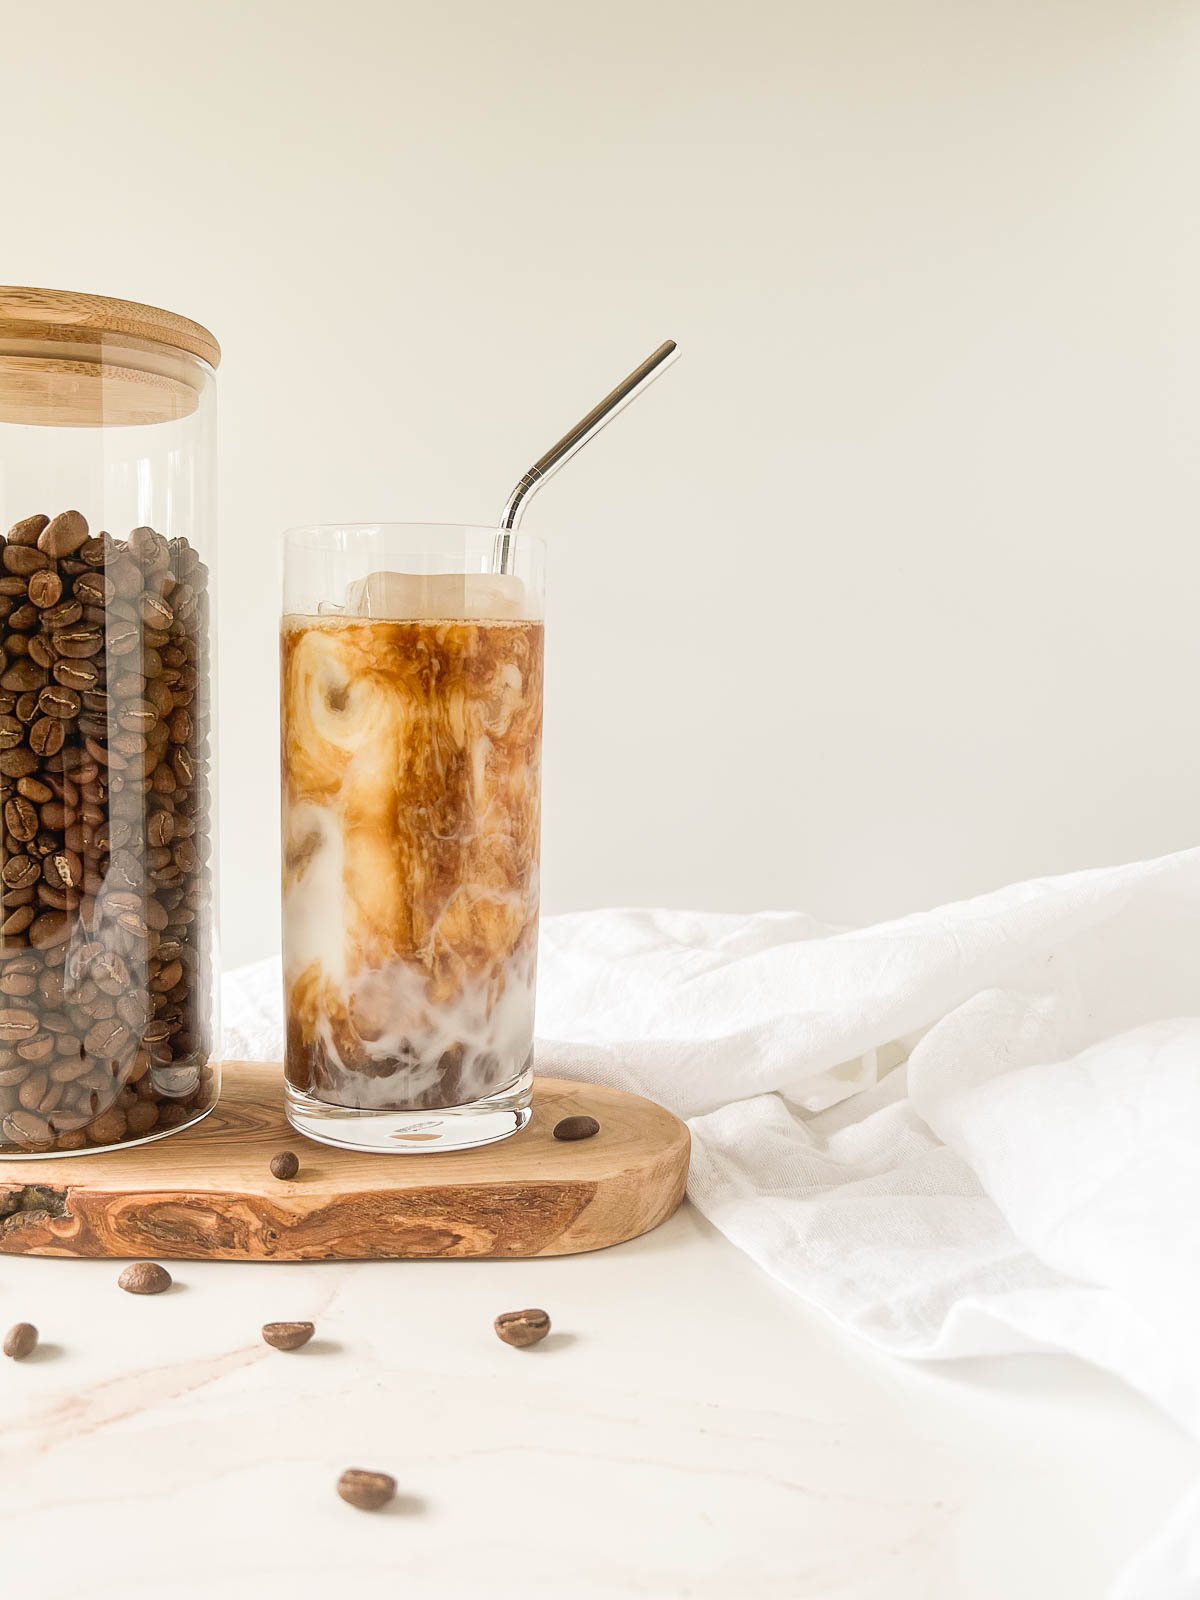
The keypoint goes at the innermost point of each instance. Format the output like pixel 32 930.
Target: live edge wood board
pixel 208 1193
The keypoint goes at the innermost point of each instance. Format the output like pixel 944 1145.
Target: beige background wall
pixel 888 592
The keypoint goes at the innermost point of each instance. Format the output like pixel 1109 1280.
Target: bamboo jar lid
pixel 84 360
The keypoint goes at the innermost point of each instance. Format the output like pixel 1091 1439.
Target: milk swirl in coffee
pixel 411 793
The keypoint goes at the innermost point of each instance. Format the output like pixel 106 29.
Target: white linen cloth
pixel 971 1131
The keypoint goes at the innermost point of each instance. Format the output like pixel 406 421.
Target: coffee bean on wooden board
pixel 20 1341
pixel 287 1335
pixel 367 1491
pixel 522 1328
pixel 144 1277
pixel 576 1128
pixel 285 1165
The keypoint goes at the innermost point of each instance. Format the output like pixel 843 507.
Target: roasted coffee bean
pixel 160 828
pixel 155 612
pixel 93 589
pixel 27 530
pixel 366 1491
pixel 522 1328
pixel 287 1335
pixel 78 643
pixel 57 701
pixel 20 872
pixel 34 789
pixel 24 619
pixel 64 535
pixel 17 763
pixel 106 1039
pixel 25 1129
pixel 144 1277
pixel 155 915
pixel 56 898
pixel 149 549
pixel 110 974
pixel 23 559
pixel 51 928
pixel 77 675
pixel 125 577
pixel 46 736
pixel 110 1126
pixel 32 1090
pixel 168 976
pixel 142 1116
pixel 138 716
pixel 41 652
pixel 21 819
pixel 64 870
pixel 123 639
pixel 21 1339
pixel 23 674
pixel 11 731
pixel 62 615
pixel 40 1048
pixel 576 1128
pixel 285 1165
pixel 45 589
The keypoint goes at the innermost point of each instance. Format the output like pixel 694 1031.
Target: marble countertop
pixel 688 1429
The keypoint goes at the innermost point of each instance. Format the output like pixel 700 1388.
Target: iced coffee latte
pixel 411 728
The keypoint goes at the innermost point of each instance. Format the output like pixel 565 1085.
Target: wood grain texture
pixel 208 1194
pixel 68 393
pixel 65 315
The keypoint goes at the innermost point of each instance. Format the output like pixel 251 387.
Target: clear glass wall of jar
pixel 108 1021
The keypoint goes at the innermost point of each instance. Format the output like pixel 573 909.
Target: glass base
pixel 431 1132
pixel 8 1154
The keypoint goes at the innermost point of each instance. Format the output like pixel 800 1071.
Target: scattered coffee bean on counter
pixel 522 1328
pixel 576 1128
pixel 105 895
pixel 285 1165
pixel 287 1335
pixel 368 1491
pixel 20 1341
pixel 144 1277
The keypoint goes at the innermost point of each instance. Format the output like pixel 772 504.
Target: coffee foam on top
pixel 421 597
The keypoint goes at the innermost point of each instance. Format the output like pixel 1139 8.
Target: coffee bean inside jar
pixel 105 888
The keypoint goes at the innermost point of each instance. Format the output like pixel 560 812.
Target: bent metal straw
pixel 586 428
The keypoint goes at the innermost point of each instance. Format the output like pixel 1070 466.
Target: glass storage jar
pixel 107 899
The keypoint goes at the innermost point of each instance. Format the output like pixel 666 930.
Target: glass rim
pixel 315 534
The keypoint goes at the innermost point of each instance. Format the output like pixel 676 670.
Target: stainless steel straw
pixel 586 428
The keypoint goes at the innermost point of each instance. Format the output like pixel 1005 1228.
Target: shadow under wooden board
pixel 208 1193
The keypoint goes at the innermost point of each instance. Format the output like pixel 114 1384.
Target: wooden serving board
pixel 208 1193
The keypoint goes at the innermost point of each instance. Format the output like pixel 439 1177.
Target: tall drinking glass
pixel 411 713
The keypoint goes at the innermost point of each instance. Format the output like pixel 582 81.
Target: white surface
pixel 970 1132
pixel 885 594
pixel 689 1430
